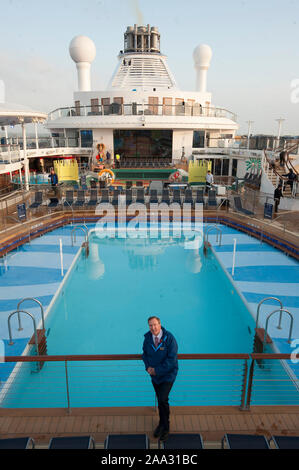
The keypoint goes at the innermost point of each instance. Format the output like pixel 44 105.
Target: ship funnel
pixel 82 51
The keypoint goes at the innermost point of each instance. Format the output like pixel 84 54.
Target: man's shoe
pixel 158 431
pixel 164 435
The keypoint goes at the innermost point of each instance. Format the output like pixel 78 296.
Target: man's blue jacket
pixel 163 358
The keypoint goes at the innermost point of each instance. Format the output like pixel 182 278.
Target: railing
pixel 110 380
pixel 136 109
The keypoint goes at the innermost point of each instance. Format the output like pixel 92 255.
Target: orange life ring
pixel 107 172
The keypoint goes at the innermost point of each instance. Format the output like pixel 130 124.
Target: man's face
pixel 154 326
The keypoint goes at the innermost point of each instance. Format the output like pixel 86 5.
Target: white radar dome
pixel 82 49
pixel 202 55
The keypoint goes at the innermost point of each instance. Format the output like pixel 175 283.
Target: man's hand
pixel 151 371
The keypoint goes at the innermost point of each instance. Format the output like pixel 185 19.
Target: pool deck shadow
pixel 211 422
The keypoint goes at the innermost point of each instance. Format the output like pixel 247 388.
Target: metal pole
pixel 234 257
pixel 249 386
pixel 61 256
pixel 243 396
pixel 67 389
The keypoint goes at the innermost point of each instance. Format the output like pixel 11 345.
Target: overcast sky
pixel 254 70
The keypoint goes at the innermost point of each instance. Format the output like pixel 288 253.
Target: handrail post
pixel 244 384
pixel 67 389
pixel 249 385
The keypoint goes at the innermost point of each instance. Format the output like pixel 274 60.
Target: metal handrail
pixel 34 325
pixel 211 228
pixel 41 307
pixel 259 306
pixel 291 324
pixel 85 231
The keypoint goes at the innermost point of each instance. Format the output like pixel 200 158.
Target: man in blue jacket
pixel 160 359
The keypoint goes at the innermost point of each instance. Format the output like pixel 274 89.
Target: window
pixel 86 138
pixel 198 139
pixel 94 106
pixel 234 167
pixel 77 108
pixel 167 106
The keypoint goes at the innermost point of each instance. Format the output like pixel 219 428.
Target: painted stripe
pixel 21 276
pixel 283 274
pixel 269 288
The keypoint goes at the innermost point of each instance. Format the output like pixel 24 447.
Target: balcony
pixel 184 109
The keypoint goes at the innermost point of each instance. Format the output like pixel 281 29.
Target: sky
pixel 254 70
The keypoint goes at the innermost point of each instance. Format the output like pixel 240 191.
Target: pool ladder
pixel 206 243
pixel 85 244
pixel 38 338
pixel 261 337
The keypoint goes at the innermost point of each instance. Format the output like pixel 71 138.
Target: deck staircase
pixel 275 174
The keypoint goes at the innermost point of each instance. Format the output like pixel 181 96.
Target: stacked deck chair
pixel 69 198
pixel 74 442
pixel 182 441
pixel 199 199
pixel 239 207
pixel 126 441
pixel 116 193
pixel 245 441
pixel 212 198
pixel 140 196
pixel 80 198
pixel 177 196
pixel 105 196
pixel 93 200
pixel 38 200
pixel 129 197
pixel 165 196
pixel 188 197
pixel 17 443
pixel 153 196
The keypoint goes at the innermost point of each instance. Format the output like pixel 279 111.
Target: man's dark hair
pixel 151 318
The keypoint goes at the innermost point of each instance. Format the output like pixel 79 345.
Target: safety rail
pixel 110 380
pixel 132 109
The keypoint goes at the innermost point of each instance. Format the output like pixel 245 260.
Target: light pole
pixel 249 131
pixel 280 121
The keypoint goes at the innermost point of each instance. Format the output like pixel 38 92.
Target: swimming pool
pixel 103 308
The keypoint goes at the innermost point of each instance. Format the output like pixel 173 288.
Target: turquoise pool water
pixel 103 309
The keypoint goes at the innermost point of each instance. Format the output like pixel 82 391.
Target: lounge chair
pixel 129 197
pixel 80 198
pixel 93 184
pixel 188 197
pixel 126 441
pixel 199 199
pixel 239 207
pixel 245 441
pixel 116 193
pixel 76 442
pixel 69 198
pixel 140 196
pixel 153 196
pixel 176 196
pixel 182 441
pixel 17 443
pixel 105 196
pixel 286 442
pixel 93 200
pixel 54 201
pixel 165 196
pixel 38 199
pixel 212 198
